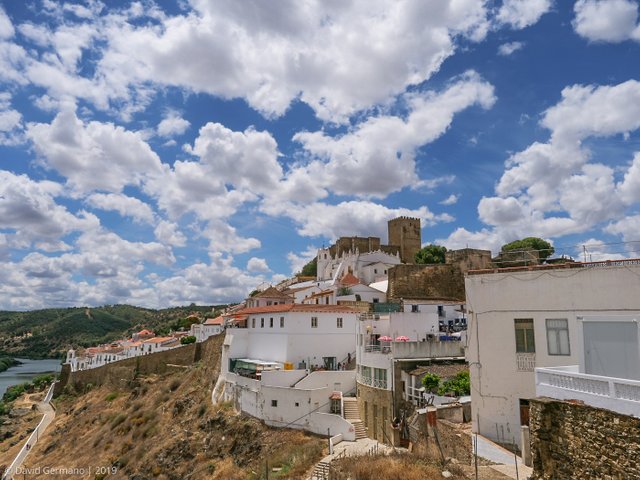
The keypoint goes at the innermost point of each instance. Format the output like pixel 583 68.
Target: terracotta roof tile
pixel 297 307
pixel 214 321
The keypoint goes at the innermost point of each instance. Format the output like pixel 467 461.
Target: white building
pixel 283 368
pixel 210 327
pixel 302 335
pixel 141 343
pixel 369 267
pixel 607 373
pixel 390 346
pixel 522 319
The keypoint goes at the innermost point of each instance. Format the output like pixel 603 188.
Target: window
pixel 525 342
pixel 262 323
pixel 376 300
pixel 375 270
pixel 297 404
pixel 441 311
pixel 274 403
pixel 558 336
pixel 415 308
pixel 339 322
pixel 281 322
pixel 380 377
pixel 314 322
pixel 253 322
pixel 271 322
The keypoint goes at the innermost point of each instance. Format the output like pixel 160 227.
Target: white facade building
pixel 608 373
pixel 305 335
pixel 369 267
pixel 267 368
pixel 210 327
pixel 523 319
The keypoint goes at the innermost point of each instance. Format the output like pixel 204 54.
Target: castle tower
pixel 404 232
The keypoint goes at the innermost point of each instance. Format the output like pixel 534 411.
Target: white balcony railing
pixel 372 382
pixel 616 394
pixel 525 362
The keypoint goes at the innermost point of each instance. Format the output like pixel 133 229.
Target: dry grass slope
pixel 165 427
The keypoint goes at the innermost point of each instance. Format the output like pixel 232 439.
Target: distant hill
pixel 49 333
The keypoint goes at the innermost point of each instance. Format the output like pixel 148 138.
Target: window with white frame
pixel 281 322
pixel 525 342
pixel 271 322
pixel 262 323
pixel 339 322
pixel 558 336
pixel 314 322
pixel 253 322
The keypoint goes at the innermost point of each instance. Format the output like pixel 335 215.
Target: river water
pixel 27 370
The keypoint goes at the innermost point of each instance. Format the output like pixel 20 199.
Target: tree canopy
pixel 544 248
pixel 311 268
pixel 431 254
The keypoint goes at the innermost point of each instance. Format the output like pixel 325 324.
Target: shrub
pixel 111 397
pixel 459 386
pixel 187 340
pixel 431 382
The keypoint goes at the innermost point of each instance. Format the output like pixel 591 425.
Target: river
pixel 27 370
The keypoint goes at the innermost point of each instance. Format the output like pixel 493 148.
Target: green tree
pixel 431 382
pixel 459 385
pixel 187 340
pixel 311 268
pixel 431 254
pixel 544 248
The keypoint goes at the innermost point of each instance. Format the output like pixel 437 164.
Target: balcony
pixel 373 382
pixel 566 383
pixel 525 362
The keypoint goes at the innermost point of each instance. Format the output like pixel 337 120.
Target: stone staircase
pixel 352 415
pixel 322 471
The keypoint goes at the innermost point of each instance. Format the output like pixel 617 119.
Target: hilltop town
pixel 471 358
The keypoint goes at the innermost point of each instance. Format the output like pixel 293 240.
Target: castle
pixel 366 257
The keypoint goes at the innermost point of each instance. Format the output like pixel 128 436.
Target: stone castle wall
pixel 405 232
pixel 570 440
pixel 442 282
pixel 120 373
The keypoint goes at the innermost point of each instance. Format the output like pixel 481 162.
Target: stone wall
pixel 469 259
pixel 351 244
pixel 376 412
pixel 570 440
pixel 122 372
pixel 405 233
pixel 438 282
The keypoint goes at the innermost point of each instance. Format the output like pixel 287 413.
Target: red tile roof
pixel 214 321
pixel 297 307
pixel 349 279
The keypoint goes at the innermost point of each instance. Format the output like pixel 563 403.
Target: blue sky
pixel 163 153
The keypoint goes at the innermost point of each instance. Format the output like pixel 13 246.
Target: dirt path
pixel 48 414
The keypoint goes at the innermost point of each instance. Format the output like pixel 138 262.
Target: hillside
pixel 50 332
pixel 165 427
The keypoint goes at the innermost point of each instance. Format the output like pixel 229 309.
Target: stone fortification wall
pixel 405 232
pixel 570 440
pixel 441 282
pixel 469 259
pixel 351 244
pixel 122 372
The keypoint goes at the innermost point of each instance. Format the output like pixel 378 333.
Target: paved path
pixel 503 457
pixel 48 414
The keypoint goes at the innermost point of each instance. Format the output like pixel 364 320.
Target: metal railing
pixel 525 362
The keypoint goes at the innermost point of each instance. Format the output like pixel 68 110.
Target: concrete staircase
pixel 352 415
pixel 322 471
